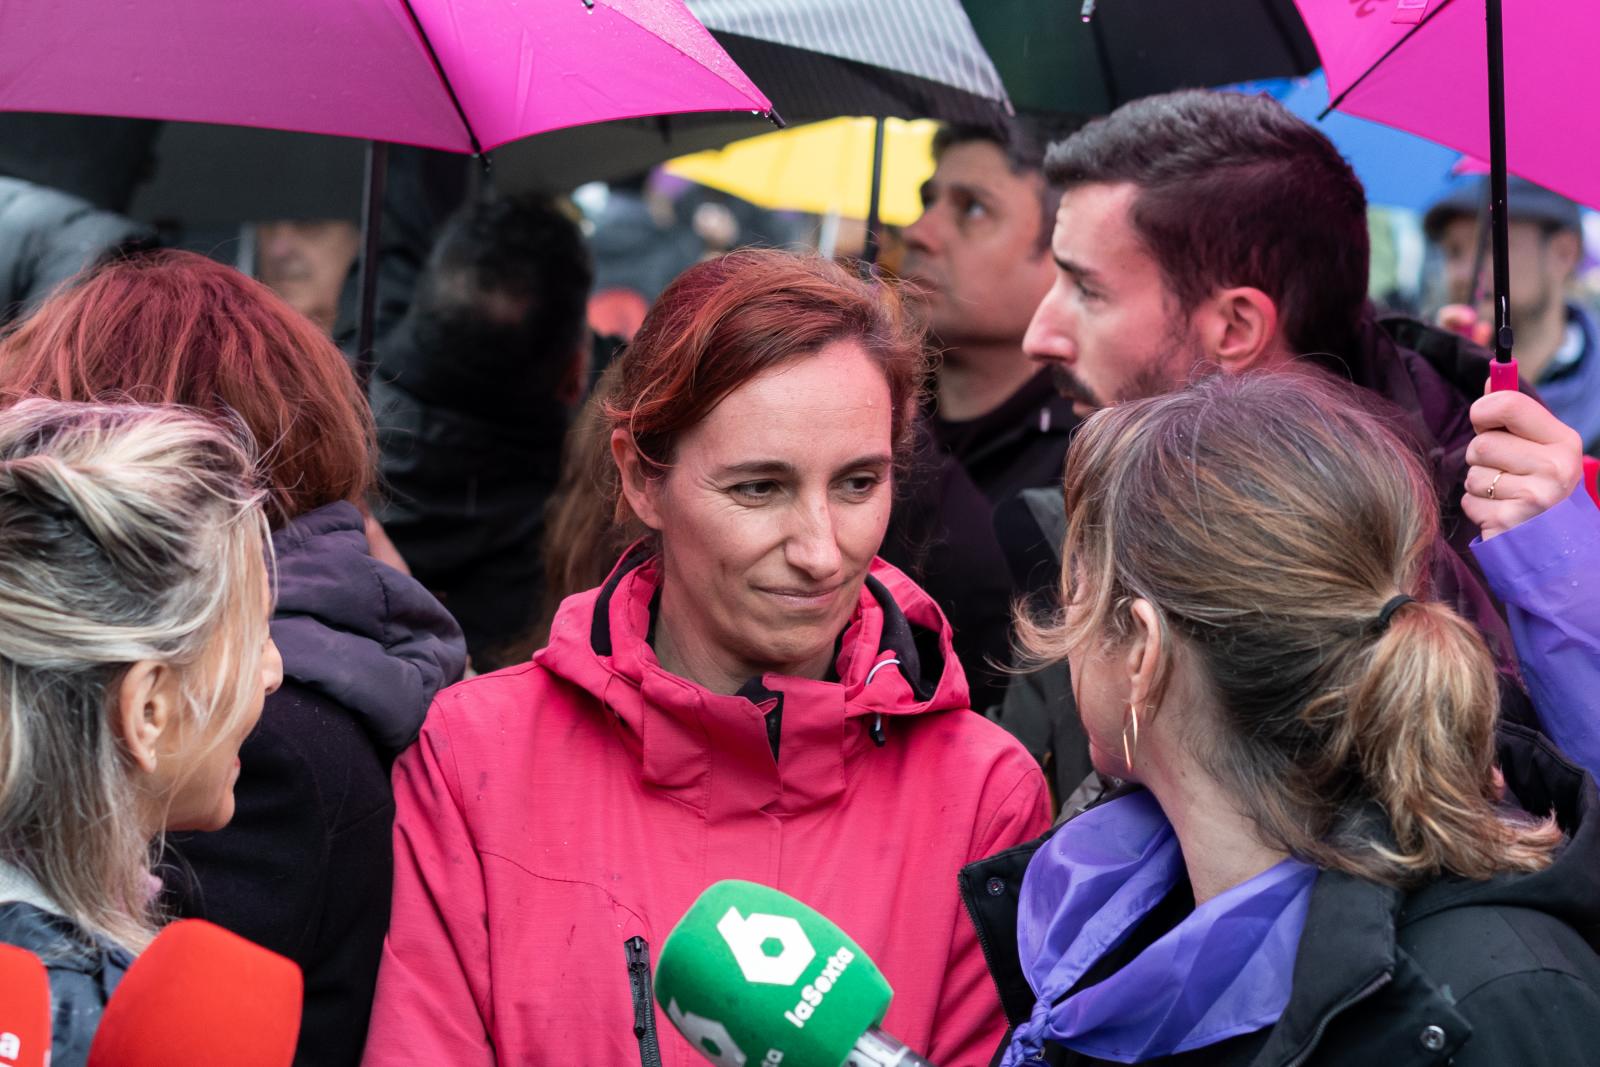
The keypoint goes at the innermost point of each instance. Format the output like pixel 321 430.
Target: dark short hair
pixel 1235 190
pixel 511 277
pixel 1022 140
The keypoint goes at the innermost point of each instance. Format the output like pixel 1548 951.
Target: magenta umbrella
pixel 460 75
pixel 1520 86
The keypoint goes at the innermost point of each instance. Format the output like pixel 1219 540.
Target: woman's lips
pixel 804 599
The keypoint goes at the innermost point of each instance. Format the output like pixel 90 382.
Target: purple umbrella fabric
pixel 460 75
pixel 1420 65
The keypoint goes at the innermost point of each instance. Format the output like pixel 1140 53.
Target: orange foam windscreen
pixel 200 994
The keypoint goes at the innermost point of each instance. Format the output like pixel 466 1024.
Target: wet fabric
pixel 1222 971
pixel 304 868
pixel 1547 572
pixel 555 810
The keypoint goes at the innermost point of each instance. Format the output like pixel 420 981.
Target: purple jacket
pixel 1547 572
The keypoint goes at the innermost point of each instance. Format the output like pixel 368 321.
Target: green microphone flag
pixel 751 976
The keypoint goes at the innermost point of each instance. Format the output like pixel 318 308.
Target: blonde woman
pixel 134 658
pixel 1315 861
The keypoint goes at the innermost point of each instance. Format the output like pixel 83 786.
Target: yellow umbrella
pixel 822 168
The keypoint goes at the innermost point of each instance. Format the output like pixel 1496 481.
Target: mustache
pixel 1070 386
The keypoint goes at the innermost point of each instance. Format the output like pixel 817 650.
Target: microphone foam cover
pixel 24 1009
pixel 751 975
pixel 200 994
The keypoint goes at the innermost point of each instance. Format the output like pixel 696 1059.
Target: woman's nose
pixel 813 544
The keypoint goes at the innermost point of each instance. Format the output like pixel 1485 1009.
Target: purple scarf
pixel 1225 970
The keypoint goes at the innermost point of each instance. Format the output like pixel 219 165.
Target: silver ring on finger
pixel 1495 482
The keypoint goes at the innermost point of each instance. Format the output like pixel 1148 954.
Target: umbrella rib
pixel 444 79
pixel 1427 18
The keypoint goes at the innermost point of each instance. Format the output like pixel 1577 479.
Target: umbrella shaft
pixel 1497 180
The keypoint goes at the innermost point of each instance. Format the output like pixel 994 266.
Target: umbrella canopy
pixel 1529 96
pixel 1428 76
pixel 886 58
pixel 1052 59
pixel 461 75
pixel 822 168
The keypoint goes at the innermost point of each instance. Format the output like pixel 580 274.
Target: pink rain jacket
pixel 552 811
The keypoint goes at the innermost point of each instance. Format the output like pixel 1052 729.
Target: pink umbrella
pixel 1521 86
pixel 460 75
pixel 463 75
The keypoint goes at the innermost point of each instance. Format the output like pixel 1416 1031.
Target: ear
pixel 146 711
pixel 1143 660
pixel 637 487
pixel 1238 328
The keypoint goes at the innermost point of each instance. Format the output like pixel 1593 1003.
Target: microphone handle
pixel 878 1049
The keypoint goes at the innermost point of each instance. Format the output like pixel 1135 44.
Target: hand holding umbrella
pixel 1524 461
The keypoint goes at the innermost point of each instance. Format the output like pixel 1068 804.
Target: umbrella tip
pixel 1087 11
pixel 588 5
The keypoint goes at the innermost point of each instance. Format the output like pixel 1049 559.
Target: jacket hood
pixel 895 662
pixel 1543 781
pixel 358 631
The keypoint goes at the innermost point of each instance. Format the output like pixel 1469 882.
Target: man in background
pixel 1557 339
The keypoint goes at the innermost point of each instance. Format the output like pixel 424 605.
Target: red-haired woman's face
pixel 769 516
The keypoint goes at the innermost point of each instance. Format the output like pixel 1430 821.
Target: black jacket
pixel 944 530
pixel 469 460
pixel 83 970
pixel 1501 972
pixel 306 865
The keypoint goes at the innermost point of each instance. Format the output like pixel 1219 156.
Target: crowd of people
pixel 1188 664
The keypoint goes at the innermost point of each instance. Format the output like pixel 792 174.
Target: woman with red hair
pixel 750 694
pixel 304 867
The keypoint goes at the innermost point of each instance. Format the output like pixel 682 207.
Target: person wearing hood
pixel 1326 852
pixel 304 867
pixel 472 393
pixel 750 694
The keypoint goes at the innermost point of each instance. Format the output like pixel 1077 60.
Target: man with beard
pixel 977 264
pixel 1203 232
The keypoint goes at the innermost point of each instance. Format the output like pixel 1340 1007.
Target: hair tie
pixel 1395 604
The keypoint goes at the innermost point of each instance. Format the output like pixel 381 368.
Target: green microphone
pixel 753 978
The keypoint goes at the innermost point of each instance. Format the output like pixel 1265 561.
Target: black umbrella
pixel 1085 58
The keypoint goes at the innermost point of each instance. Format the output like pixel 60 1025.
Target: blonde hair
pixel 1268 519
pixel 127 533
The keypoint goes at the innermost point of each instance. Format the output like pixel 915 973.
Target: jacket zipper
pixel 637 950
pixel 1344 1005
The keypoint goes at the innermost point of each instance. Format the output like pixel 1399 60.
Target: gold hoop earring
pixel 1128 750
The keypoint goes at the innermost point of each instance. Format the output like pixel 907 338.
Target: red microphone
pixel 24 1009
pixel 200 994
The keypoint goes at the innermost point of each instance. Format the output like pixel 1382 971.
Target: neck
pixel 976 379
pixel 685 649
pixel 1538 339
pixel 1221 846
